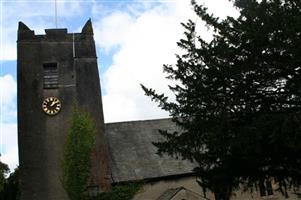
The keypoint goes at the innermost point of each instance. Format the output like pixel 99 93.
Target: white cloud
pixel 146 42
pixel 8 131
pixel 220 8
pixel 8 94
pixel 120 22
pixel 10 147
pixel 8 89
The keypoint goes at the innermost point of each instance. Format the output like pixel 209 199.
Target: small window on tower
pixel 51 75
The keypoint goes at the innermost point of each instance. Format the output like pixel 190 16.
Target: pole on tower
pixel 55 13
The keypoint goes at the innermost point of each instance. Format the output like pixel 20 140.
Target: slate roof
pixel 173 193
pixel 168 194
pixel 133 156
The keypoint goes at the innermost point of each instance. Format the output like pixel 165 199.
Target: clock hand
pixel 54 102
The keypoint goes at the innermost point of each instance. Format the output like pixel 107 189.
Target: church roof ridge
pixel 139 121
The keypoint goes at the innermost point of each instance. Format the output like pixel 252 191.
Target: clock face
pixel 51 105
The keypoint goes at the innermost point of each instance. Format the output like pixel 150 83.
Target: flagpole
pixel 55 13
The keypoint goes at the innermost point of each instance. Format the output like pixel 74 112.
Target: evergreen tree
pixel 238 98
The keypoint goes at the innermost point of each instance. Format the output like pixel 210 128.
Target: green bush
pixel 4 170
pixel 11 190
pixel 77 155
pixel 124 191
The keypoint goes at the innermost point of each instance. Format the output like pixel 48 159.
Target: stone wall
pixel 153 191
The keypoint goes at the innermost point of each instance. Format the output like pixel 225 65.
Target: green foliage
pixel 238 97
pixel 124 191
pixel 77 155
pixel 11 189
pixel 4 170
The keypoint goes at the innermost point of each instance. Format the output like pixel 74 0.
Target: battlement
pixel 81 44
pixel 56 33
pixel 25 33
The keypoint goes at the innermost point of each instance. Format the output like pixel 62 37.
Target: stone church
pixel 54 71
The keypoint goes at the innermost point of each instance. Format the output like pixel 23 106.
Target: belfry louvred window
pixel 50 75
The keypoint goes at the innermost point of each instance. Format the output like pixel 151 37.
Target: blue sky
pixel 134 38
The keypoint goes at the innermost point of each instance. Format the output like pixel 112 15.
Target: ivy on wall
pixel 125 191
pixel 77 160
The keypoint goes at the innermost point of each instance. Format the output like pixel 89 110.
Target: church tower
pixel 53 71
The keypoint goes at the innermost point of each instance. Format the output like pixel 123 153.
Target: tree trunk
pixel 222 196
pixel 222 192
